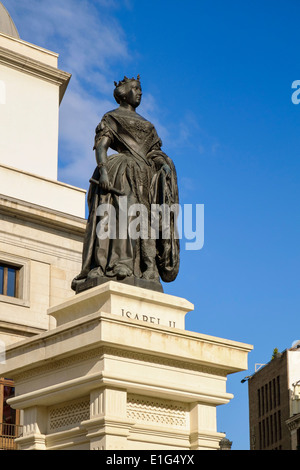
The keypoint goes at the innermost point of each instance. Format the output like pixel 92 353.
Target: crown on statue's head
pixel 127 80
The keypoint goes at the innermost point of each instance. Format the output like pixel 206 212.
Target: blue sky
pixel 216 80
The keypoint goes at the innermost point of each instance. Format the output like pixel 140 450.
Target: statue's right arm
pixel 101 159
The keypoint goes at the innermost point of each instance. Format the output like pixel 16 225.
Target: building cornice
pixel 35 68
pixel 41 215
pixel 20 329
pixel 293 422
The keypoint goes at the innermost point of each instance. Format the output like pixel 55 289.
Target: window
pixel 278 389
pixel 8 413
pixel 9 280
pixel 259 402
pixel 14 280
pixel 9 418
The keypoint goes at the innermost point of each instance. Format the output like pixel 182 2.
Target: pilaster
pixel 107 427
pixel 34 429
pixel 204 427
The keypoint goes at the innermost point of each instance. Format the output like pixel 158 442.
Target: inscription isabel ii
pixel 146 318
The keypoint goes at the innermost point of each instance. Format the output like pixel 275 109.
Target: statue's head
pixel 128 90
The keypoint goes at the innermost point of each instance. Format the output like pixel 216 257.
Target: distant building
pixel 274 402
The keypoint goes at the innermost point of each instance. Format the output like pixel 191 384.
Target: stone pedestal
pixel 119 371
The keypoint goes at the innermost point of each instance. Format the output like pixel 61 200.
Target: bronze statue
pixel 141 174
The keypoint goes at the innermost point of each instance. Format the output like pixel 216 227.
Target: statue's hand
pixel 167 170
pixel 103 180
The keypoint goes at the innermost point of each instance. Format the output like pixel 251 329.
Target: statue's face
pixel 134 93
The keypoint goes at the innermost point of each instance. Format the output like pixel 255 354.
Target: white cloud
pixel 150 110
pixel 79 116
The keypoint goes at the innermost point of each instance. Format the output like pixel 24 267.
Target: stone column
pixel 34 429
pixel 203 422
pixel 108 427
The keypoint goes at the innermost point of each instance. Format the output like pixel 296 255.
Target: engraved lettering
pixel 127 314
pixel 145 318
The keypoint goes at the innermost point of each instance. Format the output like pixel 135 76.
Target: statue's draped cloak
pixel 136 171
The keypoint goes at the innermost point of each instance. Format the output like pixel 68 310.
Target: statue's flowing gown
pixel 136 172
